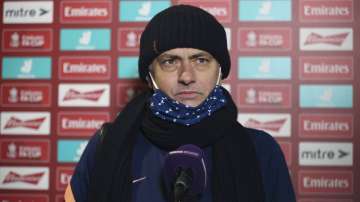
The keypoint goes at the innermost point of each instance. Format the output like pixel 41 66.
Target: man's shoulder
pixel 260 135
pixel 263 141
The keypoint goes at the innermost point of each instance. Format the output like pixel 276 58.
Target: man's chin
pixel 191 102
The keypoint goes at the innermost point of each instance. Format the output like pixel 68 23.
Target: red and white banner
pixel 80 123
pixel 220 9
pixel 25 95
pixel 84 68
pixel 326 39
pixel 84 95
pixel 25 150
pixel 19 40
pixel 24 178
pixel 326 68
pixel 129 39
pixel 326 126
pixel 326 182
pixel 277 125
pixel 73 12
pixel 18 197
pixel 25 123
pixel 266 96
pixel 264 39
pixel 63 177
pixel 326 11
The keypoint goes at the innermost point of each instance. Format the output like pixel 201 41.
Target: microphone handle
pixel 182 184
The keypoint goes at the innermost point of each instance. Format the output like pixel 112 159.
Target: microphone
pixel 185 173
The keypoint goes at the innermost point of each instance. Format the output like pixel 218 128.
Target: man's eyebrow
pixel 201 54
pixel 175 56
pixel 167 55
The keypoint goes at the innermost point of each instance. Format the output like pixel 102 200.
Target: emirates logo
pixel 91 95
pixel 336 39
pixel 12 177
pixel 32 124
pixel 274 126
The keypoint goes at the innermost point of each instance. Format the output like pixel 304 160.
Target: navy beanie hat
pixel 183 26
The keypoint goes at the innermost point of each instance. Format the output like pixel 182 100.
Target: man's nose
pixel 186 73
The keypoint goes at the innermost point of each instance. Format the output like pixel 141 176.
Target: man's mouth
pixel 187 94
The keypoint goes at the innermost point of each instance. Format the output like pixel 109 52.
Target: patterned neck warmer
pixel 166 108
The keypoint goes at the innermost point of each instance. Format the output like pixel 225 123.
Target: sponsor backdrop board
pixel 68 66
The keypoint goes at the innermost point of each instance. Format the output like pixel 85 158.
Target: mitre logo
pixel 12 177
pixel 337 39
pixel 19 12
pixel 14 122
pixel 325 154
pixel 90 95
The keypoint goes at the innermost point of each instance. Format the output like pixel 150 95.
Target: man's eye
pixel 168 62
pixel 202 60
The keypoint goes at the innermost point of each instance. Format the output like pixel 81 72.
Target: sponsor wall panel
pixel 326 39
pixel 25 123
pixel 26 68
pixel 76 123
pixel 326 68
pixel 18 40
pixel 24 197
pixel 26 12
pixel 250 10
pixel 25 150
pixel 325 154
pixel 74 12
pixel 84 68
pixel 326 11
pixel 221 9
pixel 63 177
pixel 316 182
pixel 25 95
pixel 69 66
pixel 24 178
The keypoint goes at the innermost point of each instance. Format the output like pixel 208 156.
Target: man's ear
pixel 219 79
pixel 148 81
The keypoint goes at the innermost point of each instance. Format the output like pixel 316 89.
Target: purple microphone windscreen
pixel 186 157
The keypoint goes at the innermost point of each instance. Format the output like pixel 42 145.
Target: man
pixel 183 58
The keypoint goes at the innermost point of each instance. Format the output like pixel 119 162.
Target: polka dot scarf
pixel 166 108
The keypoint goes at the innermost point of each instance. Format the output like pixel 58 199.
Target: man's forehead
pixel 184 52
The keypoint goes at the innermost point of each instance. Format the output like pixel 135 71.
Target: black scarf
pixel 236 175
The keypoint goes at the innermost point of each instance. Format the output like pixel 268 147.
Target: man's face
pixel 185 74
